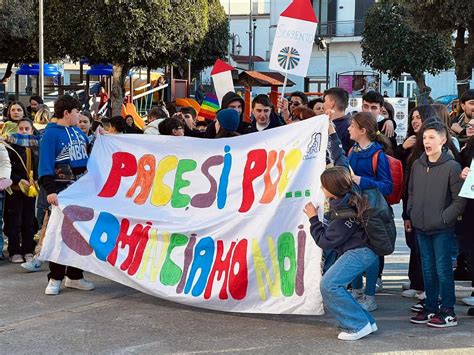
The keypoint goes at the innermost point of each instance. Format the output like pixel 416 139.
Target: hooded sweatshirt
pixel 339 234
pixel 244 127
pixel 361 163
pixel 63 156
pixel 433 201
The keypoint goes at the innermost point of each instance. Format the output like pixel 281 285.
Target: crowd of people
pixel 42 153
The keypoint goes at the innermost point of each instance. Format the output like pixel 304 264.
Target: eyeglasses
pixel 295 103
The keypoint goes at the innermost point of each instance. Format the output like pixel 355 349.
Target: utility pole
pixel 229 47
pixel 250 37
pixel 254 37
pixel 41 52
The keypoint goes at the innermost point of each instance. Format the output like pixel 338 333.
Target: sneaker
pixel 443 319
pixel 17 259
pixel 378 285
pixel 422 317
pixel 374 327
pixel 347 335
pixel 421 296
pixel 406 285
pixel 29 257
pixel 368 303
pixel 53 287
pixel 410 293
pixel 468 301
pixel 32 265
pixel 420 306
pixel 81 284
pixel 357 293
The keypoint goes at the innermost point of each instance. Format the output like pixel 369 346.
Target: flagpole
pixel 284 87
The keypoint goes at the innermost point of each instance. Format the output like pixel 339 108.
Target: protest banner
pixel 221 75
pixel 216 223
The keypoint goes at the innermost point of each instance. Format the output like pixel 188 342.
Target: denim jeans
pixel 329 257
pixel 435 251
pixel 338 301
pixel 371 275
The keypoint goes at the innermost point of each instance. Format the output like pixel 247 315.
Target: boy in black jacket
pixel 433 208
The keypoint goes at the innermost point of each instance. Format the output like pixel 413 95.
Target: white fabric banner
pixel 292 46
pixel 216 224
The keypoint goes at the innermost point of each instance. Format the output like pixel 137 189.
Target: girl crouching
pixel 349 239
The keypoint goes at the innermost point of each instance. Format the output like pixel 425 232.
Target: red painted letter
pixel 255 166
pixel 123 164
pixel 238 281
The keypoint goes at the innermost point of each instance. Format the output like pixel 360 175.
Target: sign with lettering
pixel 210 223
pixel 294 39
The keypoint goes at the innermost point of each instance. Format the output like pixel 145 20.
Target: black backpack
pixel 378 221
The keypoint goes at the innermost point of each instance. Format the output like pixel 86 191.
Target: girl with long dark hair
pixel 349 239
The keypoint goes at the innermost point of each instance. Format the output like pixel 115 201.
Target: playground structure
pixel 140 93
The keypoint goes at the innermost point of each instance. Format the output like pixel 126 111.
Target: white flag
pixel 294 39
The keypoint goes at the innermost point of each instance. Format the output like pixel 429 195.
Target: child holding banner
pixel 349 239
pixel 63 159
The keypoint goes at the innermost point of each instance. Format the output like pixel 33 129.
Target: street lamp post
pixel 250 37
pixel 328 42
pixel 41 52
pixel 235 49
pixel 253 34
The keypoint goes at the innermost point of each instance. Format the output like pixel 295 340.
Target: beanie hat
pixel 229 119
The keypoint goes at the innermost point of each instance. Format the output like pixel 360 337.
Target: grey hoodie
pixel 433 201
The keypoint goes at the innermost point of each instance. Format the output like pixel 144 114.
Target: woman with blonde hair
pixel 42 117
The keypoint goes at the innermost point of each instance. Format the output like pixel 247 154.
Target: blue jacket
pixel 339 234
pixel 336 152
pixel 61 145
pixel 361 163
pixel 342 124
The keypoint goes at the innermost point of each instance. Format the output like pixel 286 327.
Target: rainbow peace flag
pixel 209 107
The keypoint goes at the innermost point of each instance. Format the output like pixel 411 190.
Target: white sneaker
pixel 469 301
pixel 374 327
pixel 17 259
pixel 356 335
pixel 368 303
pixel 53 287
pixel 378 285
pixel 357 293
pixel 421 296
pixel 29 257
pixel 411 293
pixel 32 265
pixel 81 284
pixel 406 285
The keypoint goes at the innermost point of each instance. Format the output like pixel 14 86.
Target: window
pixel 242 7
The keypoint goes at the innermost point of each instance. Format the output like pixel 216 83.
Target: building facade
pixel 341 23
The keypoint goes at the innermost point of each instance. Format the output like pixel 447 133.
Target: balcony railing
pixel 342 28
